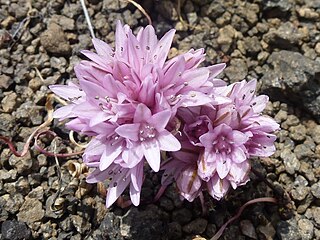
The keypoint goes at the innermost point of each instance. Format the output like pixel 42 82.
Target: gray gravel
pixel 277 42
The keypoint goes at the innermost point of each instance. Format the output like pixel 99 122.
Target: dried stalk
pixel 86 14
pixel 141 9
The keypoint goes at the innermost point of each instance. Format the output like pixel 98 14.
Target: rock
pixel 9 102
pixel 59 63
pixel 266 232
pixel 22 186
pixel 211 229
pixel 237 70
pixel 308 13
pixel 21 164
pixel 31 211
pixel 281 116
pixel 101 24
pixel 315 134
pixel 299 193
pixel 182 216
pixel 288 230
pixel 174 230
pixel 54 41
pixel 293 76
pixel 285 37
pixel 303 151
pixel 214 10
pixel 15 230
pixel 249 13
pixel 36 193
pixel 290 161
pixel 252 45
pixel 72 10
pixel 192 18
pixel 305 229
pixel 27 112
pixel 292 120
pixel 298 133
pixel 5 175
pixel 7 22
pixel 276 8
pixel 316 233
pixel 144 224
pixel 111 5
pixel 48 230
pixel 247 229
pixel 167 10
pixel 225 38
pixel 306 170
pixel 197 226
pixel 64 22
pixel 7 122
pixel 110 227
pixel 5 81
pixel 315 189
pixel 11 203
pixel 316 214
pixel 166 204
pixel 81 224
pixel 305 203
pixel 317 48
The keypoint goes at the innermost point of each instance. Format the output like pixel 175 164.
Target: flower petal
pixel 101 47
pixel 134 195
pixel 142 114
pixel 189 184
pixel 110 153
pixel 167 142
pixel 217 187
pixel 223 166
pixel 67 92
pixel 162 49
pixel 238 155
pixel 160 120
pixel 129 131
pixel 151 152
pixel 137 176
pixel 115 191
pixel 64 112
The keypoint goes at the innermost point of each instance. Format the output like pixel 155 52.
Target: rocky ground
pixel 277 42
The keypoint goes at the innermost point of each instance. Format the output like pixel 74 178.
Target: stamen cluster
pixel 135 103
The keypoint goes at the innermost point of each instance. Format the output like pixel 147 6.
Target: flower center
pixel 146 132
pixel 222 145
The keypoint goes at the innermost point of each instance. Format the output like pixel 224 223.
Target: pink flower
pixel 118 178
pixel 135 103
pixel 223 147
pixel 127 98
pixel 218 139
pixel 146 136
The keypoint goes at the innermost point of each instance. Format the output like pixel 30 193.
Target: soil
pixel 277 42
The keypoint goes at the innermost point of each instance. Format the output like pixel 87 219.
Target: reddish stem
pixel 160 192
pixel 257 200
pixel 13 149
pixel 52 154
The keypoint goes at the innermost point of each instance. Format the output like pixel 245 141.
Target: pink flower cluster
pixel 135 103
